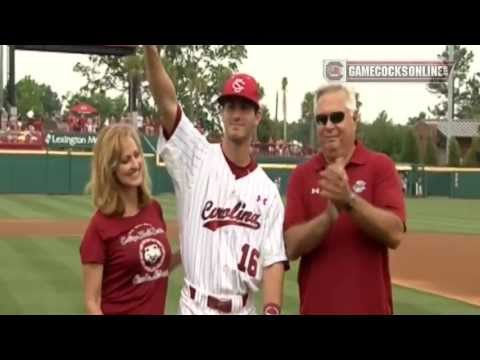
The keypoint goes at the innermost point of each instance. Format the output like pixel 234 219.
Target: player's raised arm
pixel 161 87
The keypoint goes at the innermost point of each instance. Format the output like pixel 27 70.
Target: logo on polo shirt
pixel 316 191
pixel 359 186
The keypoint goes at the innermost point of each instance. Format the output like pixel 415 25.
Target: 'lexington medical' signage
pixel 86 142
pixel 55 140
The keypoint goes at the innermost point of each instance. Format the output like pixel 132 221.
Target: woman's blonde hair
pixel 103 185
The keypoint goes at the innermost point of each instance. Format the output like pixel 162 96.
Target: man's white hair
pixel 331 88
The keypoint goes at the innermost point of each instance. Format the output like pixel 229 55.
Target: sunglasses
pixel 335 118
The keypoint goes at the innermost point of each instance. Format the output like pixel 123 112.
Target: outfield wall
pixel 60 173
pixel 67 173
pixel 456 183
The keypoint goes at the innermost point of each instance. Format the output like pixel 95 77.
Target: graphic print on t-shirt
pixel 151 252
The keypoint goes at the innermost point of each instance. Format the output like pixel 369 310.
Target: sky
pixel 301 64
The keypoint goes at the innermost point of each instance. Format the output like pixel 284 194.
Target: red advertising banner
pixel 22 140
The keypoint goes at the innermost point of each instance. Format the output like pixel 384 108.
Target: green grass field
pixel 43 275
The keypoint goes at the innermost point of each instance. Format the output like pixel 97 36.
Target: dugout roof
pixel 117 50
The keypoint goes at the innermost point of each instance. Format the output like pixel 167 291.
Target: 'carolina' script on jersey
pixel 217 217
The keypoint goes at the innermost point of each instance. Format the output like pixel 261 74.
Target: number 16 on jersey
pixel 249 261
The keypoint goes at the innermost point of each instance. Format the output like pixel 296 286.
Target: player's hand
pixel 334 184
pixel 152 48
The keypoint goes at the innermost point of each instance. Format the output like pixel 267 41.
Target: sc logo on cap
pixel 238 85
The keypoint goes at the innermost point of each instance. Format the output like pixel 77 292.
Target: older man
pixel 345 210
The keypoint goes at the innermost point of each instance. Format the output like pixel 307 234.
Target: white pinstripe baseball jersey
pixel 230 230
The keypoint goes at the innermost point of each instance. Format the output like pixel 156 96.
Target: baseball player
pixel 230 212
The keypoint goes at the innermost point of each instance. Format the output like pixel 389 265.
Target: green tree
pixel 308 119
pixel 363 130
pixel 473 153
pixel 431 157
pixel 307 105
pixel 264 131
pixel 198 71
pixel 39 98
pixel 382 135
pixel 453 153
pixel 410 151
pixel 400 132
pixel 466 90
pixel 29 97
pixel 50 100
pixel 472 108
pixel 119 107
pixel 415 119
pixel 300 131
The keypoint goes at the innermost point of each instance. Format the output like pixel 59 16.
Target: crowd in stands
pixel 25 130
pixel 281 149
pixel 72 124
pixel 14 131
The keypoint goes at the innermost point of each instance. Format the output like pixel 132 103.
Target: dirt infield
pixel 41 228
pixel 46 228
pixel 440 264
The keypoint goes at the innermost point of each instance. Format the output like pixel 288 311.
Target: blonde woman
pixel 125 252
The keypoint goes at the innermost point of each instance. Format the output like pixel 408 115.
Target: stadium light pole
pixel 451 80
pixel 284 117
pixel 11 81
pixel 1 77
